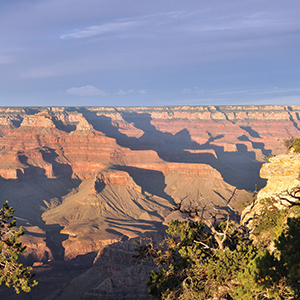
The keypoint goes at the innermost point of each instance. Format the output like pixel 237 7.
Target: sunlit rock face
pixel 282 172
pixel 89 181
pixel 87 177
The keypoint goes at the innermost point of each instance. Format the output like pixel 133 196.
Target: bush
pixel 197 262
pixel 220 261
pixel 292 144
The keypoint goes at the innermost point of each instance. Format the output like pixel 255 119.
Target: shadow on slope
pixel 151 181
pixel 49 155
pixel 30 199
pixel 53 277
pixel 238 168
pixel 30 170
pixel 87 214
pixel 116 226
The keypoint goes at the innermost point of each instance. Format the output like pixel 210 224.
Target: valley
pixel 86 181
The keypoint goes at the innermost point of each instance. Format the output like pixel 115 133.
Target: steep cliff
pixel 70 171
pixel 82 179
pixel 282 172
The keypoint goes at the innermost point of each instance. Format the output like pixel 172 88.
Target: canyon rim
pixel 85 181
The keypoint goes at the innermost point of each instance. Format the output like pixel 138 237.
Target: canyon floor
pixel 86 181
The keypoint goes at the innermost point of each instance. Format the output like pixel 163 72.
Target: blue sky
pixel 149 52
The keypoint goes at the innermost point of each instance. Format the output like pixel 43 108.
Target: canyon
pixel 85 182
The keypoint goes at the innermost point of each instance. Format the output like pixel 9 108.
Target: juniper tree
pixel 200 259
pixel 12 273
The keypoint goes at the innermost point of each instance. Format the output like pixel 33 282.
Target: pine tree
pixel 12 273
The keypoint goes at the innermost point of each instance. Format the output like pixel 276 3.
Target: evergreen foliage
pixel 292 144
pixel 12 273
pixel 269 225
pixel 221 261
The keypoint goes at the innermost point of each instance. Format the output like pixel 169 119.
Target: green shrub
pixel 221 261
pixel 12 273
pixel 292 144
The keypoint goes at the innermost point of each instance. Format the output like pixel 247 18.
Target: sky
pixel 149 52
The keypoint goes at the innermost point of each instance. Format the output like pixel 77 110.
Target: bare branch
pixel 231 196
pixel 178 207
pixel 292 194
pixel 205 245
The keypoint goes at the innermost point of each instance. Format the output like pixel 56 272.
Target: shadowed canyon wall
pixel 82 178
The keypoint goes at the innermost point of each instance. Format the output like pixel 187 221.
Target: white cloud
pixel 130 91
pixel 142 92
pixel 87 90
pixel 121 92
pixel 186 91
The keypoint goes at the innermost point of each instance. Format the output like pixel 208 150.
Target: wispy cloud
pixel 276 90
pixel 87 90
pixel 140 26
pixel 233 50
pixel 38 73
pixel 99 30
pixel 271 90
pixel 5 59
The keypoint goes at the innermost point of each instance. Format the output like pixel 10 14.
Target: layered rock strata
pixel 115 274
pixel 97 165
pixel 85 180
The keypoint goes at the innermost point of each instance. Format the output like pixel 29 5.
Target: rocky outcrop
pixel 115 274
pixel 255 130
pixel 282 172
pixel 106 209
pixel 133 164
pixel 43 119
pixel 81 179
pixel 26 151
pixel 36 247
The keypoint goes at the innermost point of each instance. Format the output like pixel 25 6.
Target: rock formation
pixel 282 172
pixel 81 179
